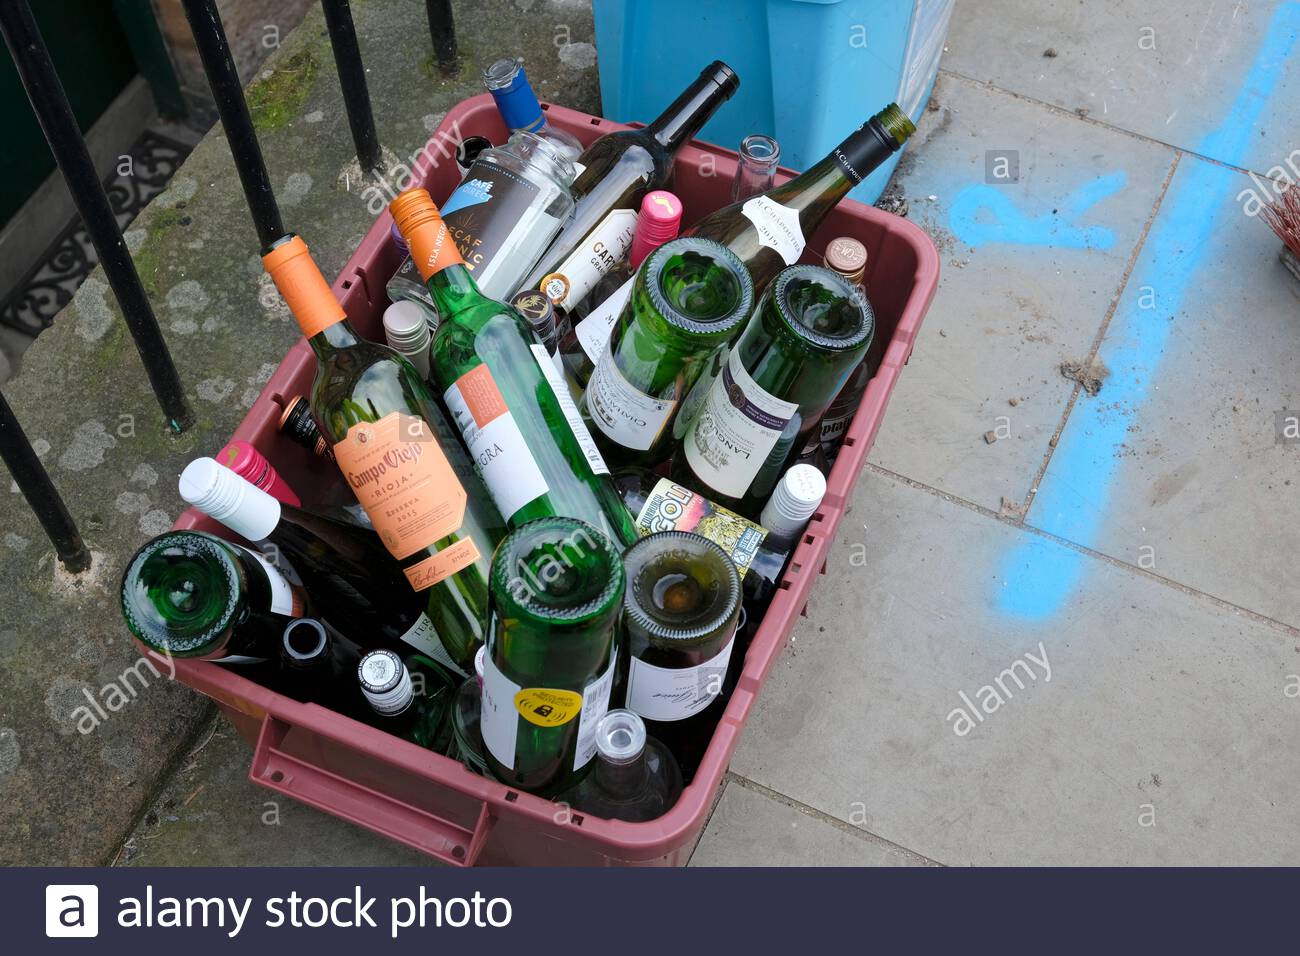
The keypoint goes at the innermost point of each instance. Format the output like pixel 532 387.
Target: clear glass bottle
pixel 756 166
pixel 636 778
pixel 406 284
pixel 508 208
pixel 680 612
pixel 506 80
pixel 466 718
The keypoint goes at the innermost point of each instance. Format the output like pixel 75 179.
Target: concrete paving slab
pixel 751 829
pixel 1168 69
pixel 1158 728
pixel 211 814
pixel 1030 269
pixel 1183 464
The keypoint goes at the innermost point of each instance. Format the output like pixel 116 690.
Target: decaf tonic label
pixel 484 211
pixel 412 496
pixel 736 430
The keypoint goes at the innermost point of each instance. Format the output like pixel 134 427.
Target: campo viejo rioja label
pixel 400 475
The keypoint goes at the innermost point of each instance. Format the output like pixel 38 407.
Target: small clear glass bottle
pixel 406 284
pixel 635 778
pixel 756 170
pixel 506 80
pixel 508 208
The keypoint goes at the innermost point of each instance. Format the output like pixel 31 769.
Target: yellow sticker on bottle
pixel 546 707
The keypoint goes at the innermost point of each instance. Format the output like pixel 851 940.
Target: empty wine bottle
pixel 635 778
pixel 355 583
pixel 680 612
pixel 506 80
pixel 318 664
pixel 809 331
pixel 557 585
pixel 848 257
pixel 795 499
pixel 410 698
pixel 191 594
pixel 690 297
pixel 769 232
pixel 505 394
pixel 593 319
pixel 300 427
pixel 620 169
pixel 396 452
pixel 539 312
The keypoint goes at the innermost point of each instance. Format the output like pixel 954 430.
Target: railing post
pixel 34 482
pixel 214 51
pixel 442 27
pixel 50 103
pixel 352 79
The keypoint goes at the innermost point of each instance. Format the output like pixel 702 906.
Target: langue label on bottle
pixel 555 378
pixel 495 442
pixel 663 693
pixel 735 432
pixel 399 473
pixel 672 507
pixel 626 415
pixel 778 227
pixel 593 332
pixel 602 249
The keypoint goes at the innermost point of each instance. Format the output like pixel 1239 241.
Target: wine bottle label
pixel 694 400
pixel 671 507
pixel 555 378
pixel 399 474
pixel 482 211
pixel 777 226
pixel 663 693
pixel 736 430
pixel 286 599
pixel 422 636
pixel 602 249
pixel 595 705
pixel 833 428
pixel 593 331
pixel 432 647
pixel 626 415
pixel 498 718
pixel 495 442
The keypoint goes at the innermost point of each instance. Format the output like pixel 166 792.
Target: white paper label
pixel 663 693
pixel 736 430
pixel 498 718
pixel 593 331
pixel 284 599
pixel 424 638
pixel 605 247
pixel 495 442
pixel 778 227
pixel 571 414
pixel 595 705
pixel 625 414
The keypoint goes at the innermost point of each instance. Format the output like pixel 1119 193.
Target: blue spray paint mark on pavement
pixel 1039 575
pixel 969 217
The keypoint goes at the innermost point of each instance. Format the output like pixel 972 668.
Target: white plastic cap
pixel 796 496
pixel 226 497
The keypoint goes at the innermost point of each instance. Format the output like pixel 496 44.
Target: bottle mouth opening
pixel 896 123
pixel 699 286
pixel 760 150
pixel 620 736
pixel 823 307
pixel 557 570
pixel 681 586
pixel 305 639
pixel 499 74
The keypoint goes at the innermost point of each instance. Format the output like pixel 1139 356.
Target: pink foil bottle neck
pixel 660 221
pixel 251 465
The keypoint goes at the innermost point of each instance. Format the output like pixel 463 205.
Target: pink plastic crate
pixel 431 802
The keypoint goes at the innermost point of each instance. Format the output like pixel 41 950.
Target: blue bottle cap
pixel 508 83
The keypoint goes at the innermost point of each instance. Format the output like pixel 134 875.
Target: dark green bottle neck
pixel 848 164
pixel 687 115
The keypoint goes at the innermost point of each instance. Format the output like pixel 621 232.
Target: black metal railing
pixel 50 103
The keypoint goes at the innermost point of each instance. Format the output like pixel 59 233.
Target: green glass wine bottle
pixel 809 331
pixel 190 594
pixel 396 452
pixel 769 232
pixel 505 393
pixel 556 586
pixel 689 297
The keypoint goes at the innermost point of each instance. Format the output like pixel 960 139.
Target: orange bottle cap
pixel 305 290
pixel 427 237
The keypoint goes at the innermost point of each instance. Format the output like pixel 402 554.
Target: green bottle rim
pixel 896 123
pixel 590 561
pixel 149 624
pixel 713 327
pixel 692 547
pixel 791 315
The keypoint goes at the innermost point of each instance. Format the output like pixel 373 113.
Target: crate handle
pixel 421 830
